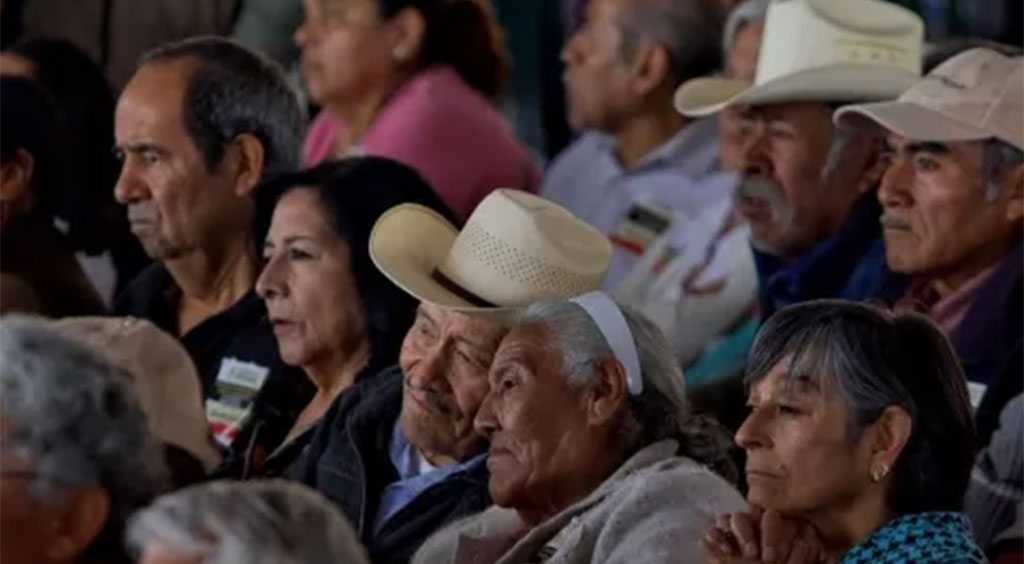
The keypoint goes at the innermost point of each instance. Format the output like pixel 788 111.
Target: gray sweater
pixel 653 509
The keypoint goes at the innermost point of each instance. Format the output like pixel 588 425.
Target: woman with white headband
pixel 595 456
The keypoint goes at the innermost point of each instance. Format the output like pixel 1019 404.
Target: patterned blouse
pixel 920 538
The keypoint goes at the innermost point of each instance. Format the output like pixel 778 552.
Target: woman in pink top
pixel 413 80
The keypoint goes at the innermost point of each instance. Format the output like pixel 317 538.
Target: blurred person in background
pixel 38 271
pixel 334 314
pixel 638 167
pixel 198 127
pixel 859 443
pixel 953 211
pixel 414 80
pixel 95 224
pixel 266 522
pixel 77 455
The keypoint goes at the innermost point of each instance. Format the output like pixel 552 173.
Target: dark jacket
pixel 990 338
pixel 848 265
pixel 349 462
pixel 243 333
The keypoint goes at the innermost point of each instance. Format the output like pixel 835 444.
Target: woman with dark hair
pixel 84 104
pixel 334 314
pixel 413 80
pixel 859 443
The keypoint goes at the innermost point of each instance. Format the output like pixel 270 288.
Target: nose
pixel 430 370
pixel 485 423
pixel 301 36
pixel 271 282
pixel 130 187
pixel 570 53
pixel 754 158
pixel 891 191
pixel 750 436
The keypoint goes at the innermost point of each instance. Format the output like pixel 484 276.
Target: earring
pixel 879 472
pixel 399 53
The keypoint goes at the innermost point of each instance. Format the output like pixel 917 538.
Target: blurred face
pixel 541 443
pixel 25 524
pixel 783 194
pixel 800 456
pixel 16 65
pixel 175 204
pixel 445 358
pixel 937 218
pixel 740 64
pixel 596 80
pixel 346 52
pixel 307 283
pixel 157 553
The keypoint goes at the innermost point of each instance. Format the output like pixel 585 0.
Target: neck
pixel 571 489
pixel 215 278
pixel 841 528
pixel 357 116
pixel 335 374
pixel 641 134
pixel 974 264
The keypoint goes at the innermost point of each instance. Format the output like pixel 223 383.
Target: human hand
pixel 760 536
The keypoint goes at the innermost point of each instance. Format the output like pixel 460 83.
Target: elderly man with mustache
pixel 595 454
pixel 807 188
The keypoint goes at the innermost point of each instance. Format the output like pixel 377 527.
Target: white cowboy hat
pixel 821 50
pixel 976 95
pixel 514 250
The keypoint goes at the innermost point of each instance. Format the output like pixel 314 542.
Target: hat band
pixel 454 287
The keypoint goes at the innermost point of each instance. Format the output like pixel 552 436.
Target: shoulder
pixel 673 484
pixel 560 174
pixel 143 291
pixel 487 533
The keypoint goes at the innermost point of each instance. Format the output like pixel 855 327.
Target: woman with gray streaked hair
pixel 595 455
pixel 76 455
pixel 256 522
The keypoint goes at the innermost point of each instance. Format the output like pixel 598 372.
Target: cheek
pixel 469 391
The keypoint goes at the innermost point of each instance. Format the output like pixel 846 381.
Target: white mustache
pixel 142 211
pixel 766 190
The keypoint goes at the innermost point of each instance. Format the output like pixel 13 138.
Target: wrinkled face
pixel 345 49
pixel 175 203
pixel 596 79
pixel 445 358
pixel 937 218
pixel 312 299
pixel 541 443
pixel 800 455
pixel 740 64
pixel 783 195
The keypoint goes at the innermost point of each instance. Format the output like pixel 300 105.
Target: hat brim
pixel 839 83
pixel 909 120
pixel 408 243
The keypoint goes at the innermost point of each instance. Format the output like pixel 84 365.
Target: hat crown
pixel 801 35
pixel 517 248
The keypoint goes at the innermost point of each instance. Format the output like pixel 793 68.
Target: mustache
pixel 892 222
pixel 754 190
pixel 434 400
pixel 142 211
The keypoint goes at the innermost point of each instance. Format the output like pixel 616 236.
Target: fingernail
pixel 750 550
pixel 769 555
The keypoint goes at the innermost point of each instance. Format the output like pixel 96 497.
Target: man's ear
pixel 249 156
pixel 873 166
pixel 16 176
pixel 85 514
pixel 606 395
pixel 1013 183
pixel 650 68
pixel 408 30
pixel 891 432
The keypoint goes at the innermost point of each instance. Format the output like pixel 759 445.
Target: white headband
pixel 609 319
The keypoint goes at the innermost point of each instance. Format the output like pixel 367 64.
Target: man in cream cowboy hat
pixel 953 200
pixel 398 453
pixel 805 188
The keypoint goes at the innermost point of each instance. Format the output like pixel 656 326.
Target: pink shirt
pixel 444 129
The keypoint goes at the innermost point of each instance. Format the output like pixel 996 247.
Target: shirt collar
pixel 685 149
pixel 406 458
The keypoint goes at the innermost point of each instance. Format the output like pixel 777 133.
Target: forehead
pixel 606 10
pixel 477 330
pixel 958 149
pixel 154 95
pixel 524 345
pixel 783 378
pixel 300 208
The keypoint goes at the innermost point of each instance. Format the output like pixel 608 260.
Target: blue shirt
pixel 411 482
pixel 937 537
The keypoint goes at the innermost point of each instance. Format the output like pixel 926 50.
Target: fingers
pixel 800 553
pixel 777 535
pixel 744 528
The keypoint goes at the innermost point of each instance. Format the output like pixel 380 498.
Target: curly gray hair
pixel 260 522
pixel 74 417
pixel 661 410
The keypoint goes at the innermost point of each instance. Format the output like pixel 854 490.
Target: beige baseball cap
pixel 978 94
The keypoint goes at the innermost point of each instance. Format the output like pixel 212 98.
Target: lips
pixel 894 223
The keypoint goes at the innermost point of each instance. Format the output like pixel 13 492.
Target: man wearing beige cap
pixel 953 200
pixel 398 452
pixel 806 191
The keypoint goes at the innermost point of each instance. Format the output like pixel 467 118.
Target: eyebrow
pixel 139 148
pixel 927 147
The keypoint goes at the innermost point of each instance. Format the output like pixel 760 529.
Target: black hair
pixel 233 91
pixel 355 192
pixel 30 124
pixel 875 359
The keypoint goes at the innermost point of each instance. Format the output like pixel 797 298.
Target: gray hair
pixel 74 416
pixel 662 410
pixel 999 158
pixel 873 359
pixel 745 13
pixel 258 522
pixel 235 91
pixel 690 31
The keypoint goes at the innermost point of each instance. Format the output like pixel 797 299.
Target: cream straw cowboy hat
pixel 976 95
pixel 515 249
pixel 821 50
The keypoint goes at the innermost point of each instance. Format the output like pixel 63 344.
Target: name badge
pixel 641 225
pixel 240 379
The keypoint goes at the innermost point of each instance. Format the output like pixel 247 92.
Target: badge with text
pixel 641 225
